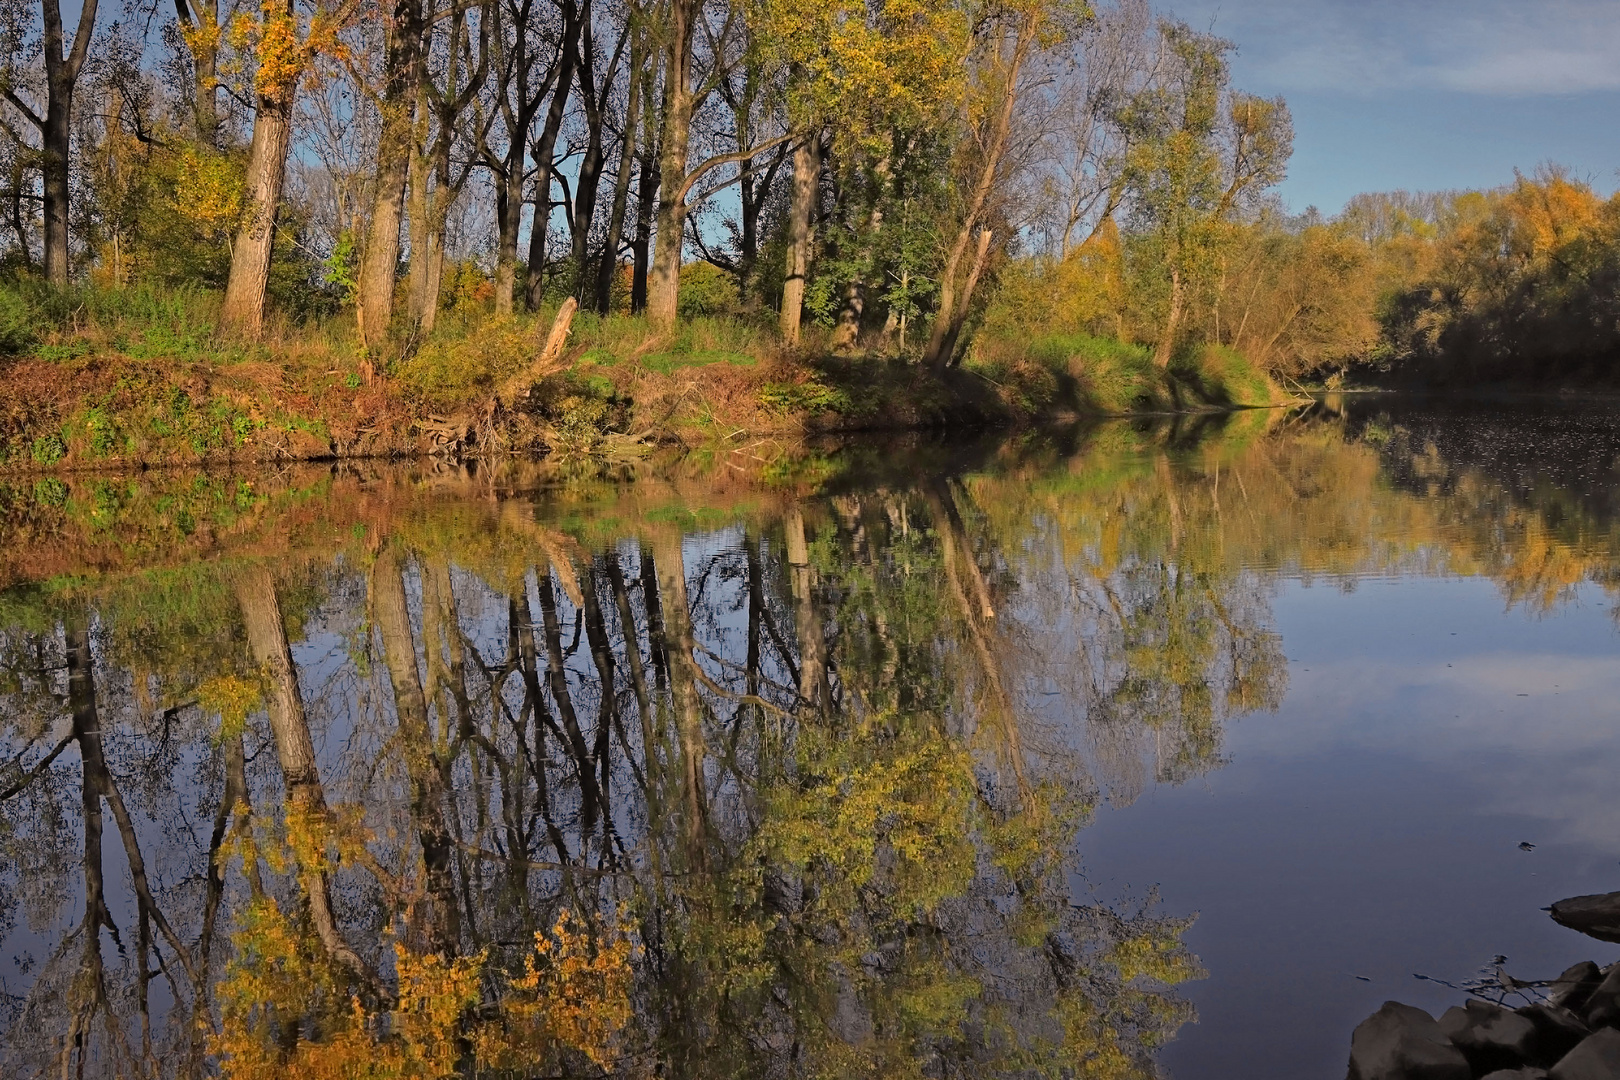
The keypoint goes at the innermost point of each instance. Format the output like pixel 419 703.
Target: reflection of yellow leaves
pixel 231 698
pixel 574 992
pixel 574 995
pixel 320 839
pixel 909 791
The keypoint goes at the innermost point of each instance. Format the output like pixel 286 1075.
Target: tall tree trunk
pixel 508 217
pixel 545 152
pixel 647 186
pixel 379 265
pixel 664 283
pixel 588 184
pixel 953 331
pixel 243 309
pixel 424 241
pixel 801 211
pixel 607 266
pixel 56 126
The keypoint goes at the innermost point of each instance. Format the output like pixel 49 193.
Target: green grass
pixel 1091 374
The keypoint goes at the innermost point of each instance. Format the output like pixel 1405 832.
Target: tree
pixel 282 46
pixel 55 126
pixel 1197 151
pixel 404 73
pixel 1010 36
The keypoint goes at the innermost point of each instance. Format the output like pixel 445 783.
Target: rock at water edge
pixel 1597 915
pixel 1491 1037
pixel 1558 1031
pixel 1573 989
pixel 1598 1058
pixel 1400 1042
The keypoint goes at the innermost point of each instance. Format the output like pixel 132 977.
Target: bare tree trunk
pixel 665 281
pixel 243 309
pixel 954 331
pixel 591 166
pixel 545 153
pixel 608 264
pixel 56 126
pixel 647 186
pixel 508 217
pixel 379 265
pixel 801 211
pixel 953 307
pixel 425 239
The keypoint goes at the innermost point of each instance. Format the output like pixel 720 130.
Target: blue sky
pixel 1428 94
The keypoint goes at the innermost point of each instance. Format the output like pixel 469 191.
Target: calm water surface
pixel 1130 751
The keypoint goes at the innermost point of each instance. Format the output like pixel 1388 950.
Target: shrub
pixel 16 322
pixel 705 290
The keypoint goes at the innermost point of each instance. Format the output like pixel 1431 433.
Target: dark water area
pixel 1164 748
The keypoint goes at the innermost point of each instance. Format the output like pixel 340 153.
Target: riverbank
pixel 153 384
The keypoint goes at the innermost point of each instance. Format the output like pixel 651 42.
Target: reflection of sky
pixel 1439 94
pixel 1371 826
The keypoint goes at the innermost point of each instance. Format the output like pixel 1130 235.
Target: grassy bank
pixel 99 378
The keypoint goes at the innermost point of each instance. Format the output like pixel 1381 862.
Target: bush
pixel 705 290
pixel 453 370
pixel 16 323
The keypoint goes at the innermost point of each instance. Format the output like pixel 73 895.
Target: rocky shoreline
pixel 1572 1033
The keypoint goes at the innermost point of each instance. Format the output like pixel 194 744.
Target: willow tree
pixel 1198 149
pixel 1010 36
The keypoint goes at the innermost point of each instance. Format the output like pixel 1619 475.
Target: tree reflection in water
pixel 686 777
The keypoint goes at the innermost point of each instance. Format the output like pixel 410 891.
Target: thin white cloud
pixel 1487 47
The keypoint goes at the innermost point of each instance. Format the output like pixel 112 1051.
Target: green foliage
pixel 17 328
pixel 705 290
pixel 48 449
pixel 342 266
pixel 454 369
pixel 808 395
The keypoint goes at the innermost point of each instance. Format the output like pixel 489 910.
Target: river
pixel 1163 747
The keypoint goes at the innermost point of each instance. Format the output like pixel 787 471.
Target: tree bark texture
pixel 243 309
pixel 800 238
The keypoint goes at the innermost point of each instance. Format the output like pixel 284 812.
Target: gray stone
pixel 1596 915
pixel 1558 1031
pixel 1597 1058
pixel 1603 1008
pixel 1490 1036
pixel 1399 1042
pixel 1529 1072
pixel 1573 989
